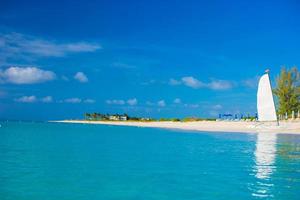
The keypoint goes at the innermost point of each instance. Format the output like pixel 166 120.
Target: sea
pixel 57 161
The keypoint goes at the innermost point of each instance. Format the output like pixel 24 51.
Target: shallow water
pixel 77 161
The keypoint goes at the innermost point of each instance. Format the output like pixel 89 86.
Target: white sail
pixel 265 102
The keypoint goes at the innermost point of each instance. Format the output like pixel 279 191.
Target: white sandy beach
pixel 288 127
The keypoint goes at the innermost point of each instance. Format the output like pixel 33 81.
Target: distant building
pixel 99 116
pixel 123 118
pixel 113 117
pixel 118 117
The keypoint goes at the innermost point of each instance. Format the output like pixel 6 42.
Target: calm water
pixel 41 161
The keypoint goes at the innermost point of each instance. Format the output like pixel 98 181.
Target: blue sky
pixel 59 59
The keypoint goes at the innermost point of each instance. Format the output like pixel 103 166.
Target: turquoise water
pixel 41 161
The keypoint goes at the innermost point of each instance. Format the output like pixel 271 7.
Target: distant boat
pixel 265 102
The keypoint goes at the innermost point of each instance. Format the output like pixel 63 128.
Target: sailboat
pixel 265 102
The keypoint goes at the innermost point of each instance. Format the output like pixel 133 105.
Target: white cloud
pixel 89 101
pixel 177 101
pixel 132 102
pixel 47 99
pixel 26 99
pixel 220 85
pixel 16 45
pixel 115 102
pixel 161 103
pixel 25 75
pixel 174 82
pixel 81 77
pixel 80 47
pixel 73 100
pixel 192 82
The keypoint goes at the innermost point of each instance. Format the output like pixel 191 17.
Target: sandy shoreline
pixel 288 127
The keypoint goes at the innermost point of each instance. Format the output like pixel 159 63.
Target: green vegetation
pixel 125 117
pixel 251 118
pixel 287 90
pixel 169 119
pixel 103 117
pixel 113 117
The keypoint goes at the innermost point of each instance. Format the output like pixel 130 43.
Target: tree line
pixel 120 117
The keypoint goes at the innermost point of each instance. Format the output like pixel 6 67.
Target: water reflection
pixel 265 155
pixel 265 158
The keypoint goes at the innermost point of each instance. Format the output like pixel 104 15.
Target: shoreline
pixel 286 127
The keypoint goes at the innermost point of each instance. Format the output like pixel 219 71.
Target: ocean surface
pixel 43 161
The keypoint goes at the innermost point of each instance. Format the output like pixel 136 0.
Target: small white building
pixel 123 118
pixel 118 117
pixel 114 117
